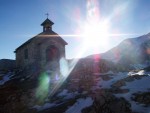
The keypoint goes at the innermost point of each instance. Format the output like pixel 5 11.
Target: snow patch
pixel 6 78
pixel 63 93
pixel 107 84
pixel 67 95
pixel 141 72
pixel 141 85
pixel 79 105
pixel 45 106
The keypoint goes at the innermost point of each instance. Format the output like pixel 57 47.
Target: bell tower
pixel 47 24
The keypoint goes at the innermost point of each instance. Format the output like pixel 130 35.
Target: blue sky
pixel 20 20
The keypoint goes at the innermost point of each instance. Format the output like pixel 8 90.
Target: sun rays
pixel 94 33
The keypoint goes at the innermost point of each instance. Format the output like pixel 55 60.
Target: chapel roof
pixel 48 34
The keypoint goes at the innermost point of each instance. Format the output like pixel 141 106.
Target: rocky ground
pixel 123 92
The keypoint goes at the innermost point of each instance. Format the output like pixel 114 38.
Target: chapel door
pixel 52 53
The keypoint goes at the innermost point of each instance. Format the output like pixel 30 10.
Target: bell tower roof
pixel 47 22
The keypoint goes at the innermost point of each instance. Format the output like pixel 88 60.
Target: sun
pixel 95 34
pixel 94 30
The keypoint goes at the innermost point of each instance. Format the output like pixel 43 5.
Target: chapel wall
pixel 21 61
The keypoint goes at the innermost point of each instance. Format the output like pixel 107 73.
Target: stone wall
pixel 20 56
pixel 37 51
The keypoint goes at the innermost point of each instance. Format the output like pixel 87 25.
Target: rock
pixel 106 102
pixel 119 83
pixel 105 77
pixel 143 98
pixel 129 79
pixel 118 90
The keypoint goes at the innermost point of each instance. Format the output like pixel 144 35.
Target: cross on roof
pixel 47 14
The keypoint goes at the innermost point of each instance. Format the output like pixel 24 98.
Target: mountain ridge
pixel 131 50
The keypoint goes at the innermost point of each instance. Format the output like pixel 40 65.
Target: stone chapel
pixel 43 50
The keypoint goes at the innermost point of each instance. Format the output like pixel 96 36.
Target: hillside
pixel 7 64
pixel 94 84
pixel 121 92
pixel 131 50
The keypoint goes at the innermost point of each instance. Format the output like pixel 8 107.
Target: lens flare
pixel 43 88
pixel 94 30
pixel 95 35
pixel 64 69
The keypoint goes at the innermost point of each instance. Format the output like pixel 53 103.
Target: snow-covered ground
pixel 136 73
pixel 79 105
pixel 140 85
pixel 66 94
pixel 76 108
pixel 115 77
pixel 6 78
pixel 137 85
pixel 63 93
pixel 45 106
pixel 141 72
